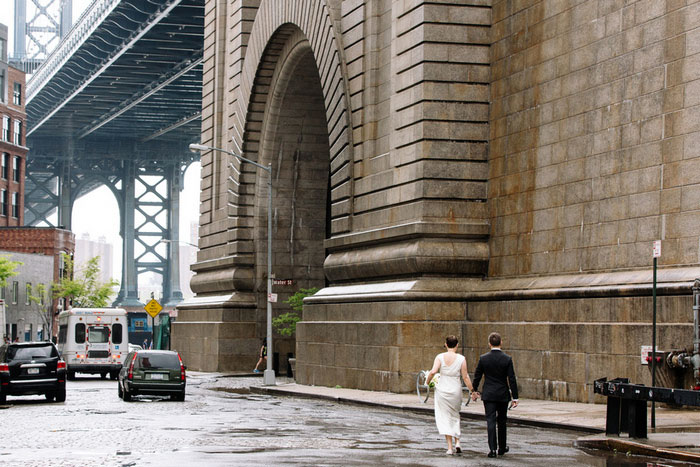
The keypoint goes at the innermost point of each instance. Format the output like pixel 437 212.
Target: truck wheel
pixel 103 375
pixel 50 396
pixel 3 398
pixel 70 375
pixel 61 394
pixel 113 374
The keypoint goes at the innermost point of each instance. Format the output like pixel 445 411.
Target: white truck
pixel 93 340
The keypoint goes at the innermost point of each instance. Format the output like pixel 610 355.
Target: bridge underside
pixel 117 104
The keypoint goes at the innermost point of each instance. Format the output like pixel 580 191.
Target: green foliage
pixel 286 323
pixel 84 288
pixel 41 303
pixel 296 301
pixel 7 269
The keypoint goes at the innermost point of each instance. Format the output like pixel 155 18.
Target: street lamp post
pixel 269 375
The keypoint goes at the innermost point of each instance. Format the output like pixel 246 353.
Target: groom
pixel 497 368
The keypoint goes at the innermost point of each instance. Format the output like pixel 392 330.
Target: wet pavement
pixel 223 423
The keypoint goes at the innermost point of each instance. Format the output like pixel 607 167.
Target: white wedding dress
pixel 448 397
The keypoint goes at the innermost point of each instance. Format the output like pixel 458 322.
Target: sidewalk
pixel 677 433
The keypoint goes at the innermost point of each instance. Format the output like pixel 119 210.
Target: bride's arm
pixel 465 375
pixel 435 369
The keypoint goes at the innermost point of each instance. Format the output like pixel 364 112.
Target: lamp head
pixel 197 147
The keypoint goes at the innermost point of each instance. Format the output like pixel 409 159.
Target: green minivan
pixel 152 372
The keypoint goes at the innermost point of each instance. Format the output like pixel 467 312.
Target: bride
pixel 448 394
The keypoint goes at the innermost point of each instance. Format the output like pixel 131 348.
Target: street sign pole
pixel 153 308
pixel 656 254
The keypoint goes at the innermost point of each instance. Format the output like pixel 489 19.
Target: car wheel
pixel 178 397
pixel 127 396
pixel 120 393
pixel 61 393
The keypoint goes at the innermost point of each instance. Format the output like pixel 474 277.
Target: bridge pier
pixel 128 295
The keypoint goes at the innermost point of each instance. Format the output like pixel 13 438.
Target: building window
pixel 5 165
pixel 15 205
pixel 15 292
pixel 17 94
pixel 5 128
pixel 17 136
pixel 2 293
pixel 29 293
pixel 2 85
pixel 16 163
pixel 4 203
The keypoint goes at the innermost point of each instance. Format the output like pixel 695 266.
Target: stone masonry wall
pixel 593 150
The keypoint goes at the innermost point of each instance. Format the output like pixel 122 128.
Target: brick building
pixel 44 241
pixel 13 151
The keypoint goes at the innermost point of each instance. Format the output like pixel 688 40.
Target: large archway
pixel 295 141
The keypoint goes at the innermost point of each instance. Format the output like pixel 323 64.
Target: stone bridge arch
pixel 404 192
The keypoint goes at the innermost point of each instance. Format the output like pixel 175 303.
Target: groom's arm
pixel 511 380
pixel 478 373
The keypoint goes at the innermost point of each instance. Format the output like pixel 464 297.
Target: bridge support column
pixel 172 294
pixel 65 196
pixel 128 294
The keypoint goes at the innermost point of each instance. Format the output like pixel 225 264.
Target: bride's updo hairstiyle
pixel 451 341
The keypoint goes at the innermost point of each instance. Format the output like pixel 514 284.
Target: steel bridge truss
pixel 147 192
pixel 38 33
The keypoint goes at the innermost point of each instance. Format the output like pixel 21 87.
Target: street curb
pixel 623 445
pixel 422 410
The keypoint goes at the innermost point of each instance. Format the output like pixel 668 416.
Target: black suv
pixel 155 372
pixel 32 368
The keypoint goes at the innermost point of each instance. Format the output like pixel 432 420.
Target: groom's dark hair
pixel 495 339
pixel 451 341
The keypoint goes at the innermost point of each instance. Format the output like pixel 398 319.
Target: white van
pixel 93 340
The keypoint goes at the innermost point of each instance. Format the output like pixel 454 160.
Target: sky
pixel 97 213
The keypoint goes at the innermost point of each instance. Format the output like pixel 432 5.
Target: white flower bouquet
pixel 435 380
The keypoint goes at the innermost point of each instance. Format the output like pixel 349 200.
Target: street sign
pixel 282 282
pixel 657 248
pixel 153 308
pixel 272 297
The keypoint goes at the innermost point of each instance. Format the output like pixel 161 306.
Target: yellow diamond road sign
pixel 153 308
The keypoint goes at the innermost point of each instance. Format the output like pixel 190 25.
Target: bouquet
pixel 435 380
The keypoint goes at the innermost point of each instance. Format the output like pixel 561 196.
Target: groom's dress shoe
pixel 492 453
pixel 503 451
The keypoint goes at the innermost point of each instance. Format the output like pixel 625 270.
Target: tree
pixel 7 269
pixel 286 323
pixel 83 287
pixel 38 297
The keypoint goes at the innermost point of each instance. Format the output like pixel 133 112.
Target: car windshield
pixel 31 353
pixel 159 360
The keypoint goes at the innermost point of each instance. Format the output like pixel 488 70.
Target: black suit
pixel 497 369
